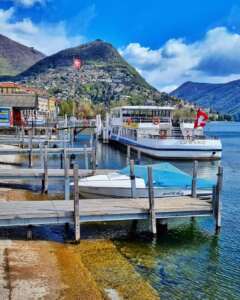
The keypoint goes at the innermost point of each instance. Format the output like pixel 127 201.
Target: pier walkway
pixel 29 213
pixel 22 213
pixel 27 173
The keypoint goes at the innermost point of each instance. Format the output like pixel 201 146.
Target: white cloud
pixel 215 58
pixel 29 3
pixel 48 38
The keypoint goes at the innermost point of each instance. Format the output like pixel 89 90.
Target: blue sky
pixel 169 42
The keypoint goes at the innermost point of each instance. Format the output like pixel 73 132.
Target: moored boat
pixel 152 131
pixel 168 181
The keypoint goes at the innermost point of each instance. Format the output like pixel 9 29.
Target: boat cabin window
pixel 146 115
pixel 116 113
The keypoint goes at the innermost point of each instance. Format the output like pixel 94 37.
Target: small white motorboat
pixel 168 182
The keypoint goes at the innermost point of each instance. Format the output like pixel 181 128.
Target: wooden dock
pixel 22 213
pixel 27 173
pixel 37 151
pixel 29 213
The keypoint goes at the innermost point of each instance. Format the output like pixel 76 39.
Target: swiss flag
pixel 201 119
pixel 77 63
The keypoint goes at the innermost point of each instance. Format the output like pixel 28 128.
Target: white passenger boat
pixel 152 130
pixel 168 182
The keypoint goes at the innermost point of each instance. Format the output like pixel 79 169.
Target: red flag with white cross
pixel 201 119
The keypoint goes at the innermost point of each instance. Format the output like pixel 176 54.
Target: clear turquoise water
pixel 190 261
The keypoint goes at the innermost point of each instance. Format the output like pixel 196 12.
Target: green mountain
pixel 223 98
pixel 15 58
pixel 104 76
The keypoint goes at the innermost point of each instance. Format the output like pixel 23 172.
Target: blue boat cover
pixel 167 175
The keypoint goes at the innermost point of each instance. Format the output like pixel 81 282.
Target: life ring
pixel 163 134
pixel 129 121
pixel 156 120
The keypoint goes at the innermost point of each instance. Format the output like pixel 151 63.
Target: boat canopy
pixel 167 175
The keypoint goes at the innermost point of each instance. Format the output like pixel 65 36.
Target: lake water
pixel 190 261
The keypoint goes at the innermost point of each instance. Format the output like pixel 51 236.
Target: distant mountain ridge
pixel 15 57
pixel 221 97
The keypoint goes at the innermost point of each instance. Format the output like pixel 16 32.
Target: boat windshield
pixel 167 175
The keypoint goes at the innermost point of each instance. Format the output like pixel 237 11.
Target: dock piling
pixel 86 157
pixel 76 206
pixel 218 203
pixel 194 179
pixel 41 155
pixel 66 177
pixel 133 179
pixel 128 154
pixel 30 144
pixel 94 159
pixel 22 136
pixel 45 166
pixel 29 232
pixel 152 214
pixel 138 156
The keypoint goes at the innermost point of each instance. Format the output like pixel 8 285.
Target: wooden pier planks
pixel 26 173
pixel 21 213
pixel 36 151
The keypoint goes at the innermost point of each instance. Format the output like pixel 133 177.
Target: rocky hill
pixel 223 98
pixel 15 57
pixel 104 76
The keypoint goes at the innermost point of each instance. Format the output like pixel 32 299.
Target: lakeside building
pixel 19 103
pixel 15 108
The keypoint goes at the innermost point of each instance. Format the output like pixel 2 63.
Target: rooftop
pixel 145 107
pixel 22 101
pixel 9 85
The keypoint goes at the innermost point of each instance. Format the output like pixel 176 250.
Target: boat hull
pixel 118 192
pixel 175 149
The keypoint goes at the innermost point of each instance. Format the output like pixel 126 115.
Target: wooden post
pixel 41 155
pixel 45 165
pixel 94 160
pixel 162 226
pixel 133 179
pixel 22 131
pixel 218 204
pixel 86 157
pixel 30 148
pixel 214 192
pixel 194 179
pixel 61 160
pixel 138 156
pixel 66 178
pixel 72 136
pixel 152 214
pixel 106 129
pixel 29 232
pixel 128 154
pixel 76 206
